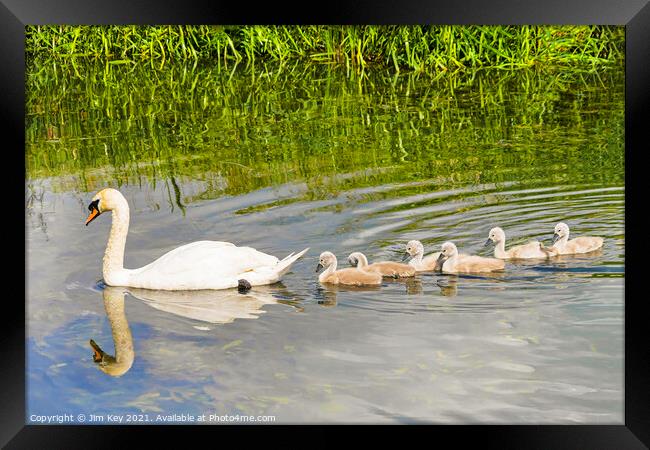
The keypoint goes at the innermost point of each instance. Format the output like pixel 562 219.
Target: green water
pixel 287 157
pixel 304 123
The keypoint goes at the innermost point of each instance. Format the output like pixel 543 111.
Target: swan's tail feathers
pixel 288 256
pixel 284 265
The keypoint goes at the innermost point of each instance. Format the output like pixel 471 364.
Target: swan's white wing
pixel 202 264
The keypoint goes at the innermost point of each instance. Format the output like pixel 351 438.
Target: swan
pixel 117 365
pixel 582 244
pixel 452 262
pixel 533 249
pixel 350 276
pixel 199 265
pixel 418 261
pixel 384 268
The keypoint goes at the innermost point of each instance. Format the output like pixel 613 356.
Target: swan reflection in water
pixel 216 307
pixel 117 365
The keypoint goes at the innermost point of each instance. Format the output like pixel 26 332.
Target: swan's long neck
pixel 114 255
pixel 122 338
pixel 121 332
pixel 500 249
pixel 327 272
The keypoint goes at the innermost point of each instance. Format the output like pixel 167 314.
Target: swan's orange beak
pixel 97 352
pixel 93 214
pixel 94 211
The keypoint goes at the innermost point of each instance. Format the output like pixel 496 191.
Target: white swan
pixel 582 244
pixel 199 265
pixel 452 262
pixel 533 249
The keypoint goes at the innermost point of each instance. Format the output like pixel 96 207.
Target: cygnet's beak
pixel 439 262
pixel 406 256
pixel 319 267
pixel 353 262
pixel 555 237
pixel 488 242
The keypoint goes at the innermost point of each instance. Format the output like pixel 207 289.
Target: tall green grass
pixel 428 49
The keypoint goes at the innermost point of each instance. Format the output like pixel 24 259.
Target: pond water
pixel 284 158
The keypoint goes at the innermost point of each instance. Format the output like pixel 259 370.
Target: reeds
pixel 424 49
pixel 247 129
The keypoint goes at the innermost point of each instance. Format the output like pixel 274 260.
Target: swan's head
pixel 325 260
pixel 496 235
pixel 561 230
pixel 107 363
pixel 448 250
pixel 105 200
pixel 414 248
pixel 357 258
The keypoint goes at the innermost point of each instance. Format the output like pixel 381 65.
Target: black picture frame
pixel 634 14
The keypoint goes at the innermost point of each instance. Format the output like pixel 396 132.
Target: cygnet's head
pixel 561 230
pixel 448 250
pixel 414 248
pixel 357 259
pixel 325 260
pixel 495 236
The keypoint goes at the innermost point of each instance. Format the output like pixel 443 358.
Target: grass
pixel 422 49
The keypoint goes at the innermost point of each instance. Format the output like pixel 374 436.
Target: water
pixel 283 159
